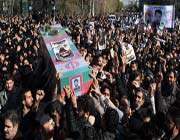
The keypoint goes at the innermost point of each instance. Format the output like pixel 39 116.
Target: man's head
pixel 9 83
pixel 100 61
pixel 55 111
pixel 110 120
pixel 171 78
pixel 47 124
pixel 135 79
pixel 139 98
pixel 76 83
pixel 27 99
pixel 85 106
pixel 40 95
pixel 11 124
pixel 158 16
pixel 106 92
pixel 173 121
pixel 133 66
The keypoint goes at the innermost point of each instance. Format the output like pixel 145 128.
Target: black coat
pixel 165 97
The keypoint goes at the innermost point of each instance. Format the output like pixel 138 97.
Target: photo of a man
pixel 157 18
pixel 76 85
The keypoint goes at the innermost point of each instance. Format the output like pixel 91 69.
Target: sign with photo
pixel 76 84
pixel 68 64
pixel 159 15
pixel 130 54
pixel 62 50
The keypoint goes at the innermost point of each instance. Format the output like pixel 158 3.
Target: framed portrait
pixel 76 84
pixel 62 50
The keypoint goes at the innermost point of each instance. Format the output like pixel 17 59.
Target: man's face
pixel 76 83
pixel 28 99
pixel 139 100
pixel 9 85
pixel 158 17
pixel 40 95
pixel 100 61
pixel 107 92
pixel 56 117
pixel 171 78
pixel 10 130
pixel 137 81
pixel 49 126
pixel 133 67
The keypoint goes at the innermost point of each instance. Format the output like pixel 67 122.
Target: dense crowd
pixel 126 101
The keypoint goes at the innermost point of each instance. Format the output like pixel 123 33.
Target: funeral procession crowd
pixel 134 97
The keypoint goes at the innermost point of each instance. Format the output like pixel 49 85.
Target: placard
pixel 129 51
pixel 159 15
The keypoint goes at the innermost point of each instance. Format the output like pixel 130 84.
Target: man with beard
pixel 142 111
pixel 167 93
pixel 10 97
pixel 27 116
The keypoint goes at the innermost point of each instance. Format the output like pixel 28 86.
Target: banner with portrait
pixel 129 51
pixel 159 15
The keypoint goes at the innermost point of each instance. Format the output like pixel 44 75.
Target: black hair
pixel 9 77
pixel 137 90
pixel 76 80
pixel 158 11
pixel 171 71
pixel 13 116
pixel 86 104
pixel 134 75
pixel 24 91
pixel 111 119
pixel 104 87
pixel 54 106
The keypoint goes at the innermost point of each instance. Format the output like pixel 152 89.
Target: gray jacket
pixel 3 99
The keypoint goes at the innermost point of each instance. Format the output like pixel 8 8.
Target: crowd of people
pixel 134 100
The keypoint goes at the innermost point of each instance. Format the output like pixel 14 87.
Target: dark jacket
pixel 83 129
pixel 165 97
pixel 9 100
pixel 18 136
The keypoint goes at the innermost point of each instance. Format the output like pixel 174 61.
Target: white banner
pixel 159 15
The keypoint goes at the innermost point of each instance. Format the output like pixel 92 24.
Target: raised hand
pixel 68 91
pixel 124 58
